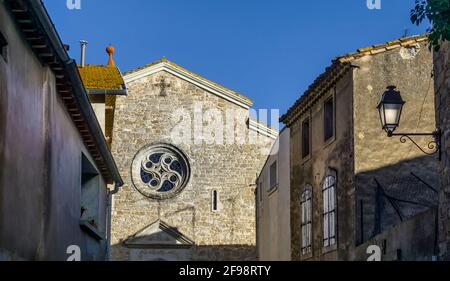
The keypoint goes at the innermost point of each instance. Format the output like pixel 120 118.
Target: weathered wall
pixel 442 86
pixel 40 162
pixel 395 243
pixel 273 207
pixel 337 156
pixel 384 159
pixel 144 117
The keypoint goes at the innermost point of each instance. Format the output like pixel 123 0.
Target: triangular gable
pixel 182 73
pixel 159 235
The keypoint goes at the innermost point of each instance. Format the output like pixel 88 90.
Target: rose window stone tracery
pixel 160 171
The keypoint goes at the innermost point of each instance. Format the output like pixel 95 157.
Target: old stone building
pixel 55 164
pixel 361 182
pixel 442 86
pixel 189 155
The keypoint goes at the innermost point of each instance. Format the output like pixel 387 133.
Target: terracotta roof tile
pixel 380 48
pixel 101 77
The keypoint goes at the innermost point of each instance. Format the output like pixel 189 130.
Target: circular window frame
pixel 142 187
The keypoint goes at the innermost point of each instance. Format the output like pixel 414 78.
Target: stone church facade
pixel 189 155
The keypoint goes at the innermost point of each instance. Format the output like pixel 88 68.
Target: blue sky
pixel 267 50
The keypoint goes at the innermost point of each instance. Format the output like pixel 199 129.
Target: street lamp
pixel 390 110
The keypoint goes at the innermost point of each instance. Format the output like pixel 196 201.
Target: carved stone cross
pixel 163 86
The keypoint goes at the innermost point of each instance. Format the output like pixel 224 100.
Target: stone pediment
pixel 182 73
pixel 159 235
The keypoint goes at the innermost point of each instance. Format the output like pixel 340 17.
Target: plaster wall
pixel 40 162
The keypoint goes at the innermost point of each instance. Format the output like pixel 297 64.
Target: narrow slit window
pixel 215 201
pixel 329 119
pixel 306 138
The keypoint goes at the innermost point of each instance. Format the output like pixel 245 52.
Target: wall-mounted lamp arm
pixel 434 145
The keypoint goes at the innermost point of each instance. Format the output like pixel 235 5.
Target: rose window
pixel 160 171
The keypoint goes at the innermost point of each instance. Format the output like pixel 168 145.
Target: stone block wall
pixel 401 169
pixel 442 86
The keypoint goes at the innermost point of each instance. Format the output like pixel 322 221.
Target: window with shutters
pixel 329 211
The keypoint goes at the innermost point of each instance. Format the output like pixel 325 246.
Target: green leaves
pixel 437 12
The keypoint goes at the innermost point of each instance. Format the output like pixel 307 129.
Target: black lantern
pixel 390 109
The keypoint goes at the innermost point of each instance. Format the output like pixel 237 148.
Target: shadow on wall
pixel 160 241
pixel 412 240
pixel 391 195
pixel 121 252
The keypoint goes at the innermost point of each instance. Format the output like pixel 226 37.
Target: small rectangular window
pixel 329 119
pixel 273 176
pixel 3 47
pixel 306 138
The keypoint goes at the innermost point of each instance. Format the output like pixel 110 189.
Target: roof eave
pixel 68 80
pixel 320 86
pixel 113 92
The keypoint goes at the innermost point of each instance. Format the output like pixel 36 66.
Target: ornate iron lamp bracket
pixel 434 146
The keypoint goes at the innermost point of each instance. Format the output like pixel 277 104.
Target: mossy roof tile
pixel 101 77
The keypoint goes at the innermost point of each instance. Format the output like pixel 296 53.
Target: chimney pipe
pixel 83 44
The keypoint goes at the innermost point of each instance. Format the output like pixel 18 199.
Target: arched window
pixel 329 211
pixel 306 207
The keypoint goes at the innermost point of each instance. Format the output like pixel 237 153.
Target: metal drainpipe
pixel 109 210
